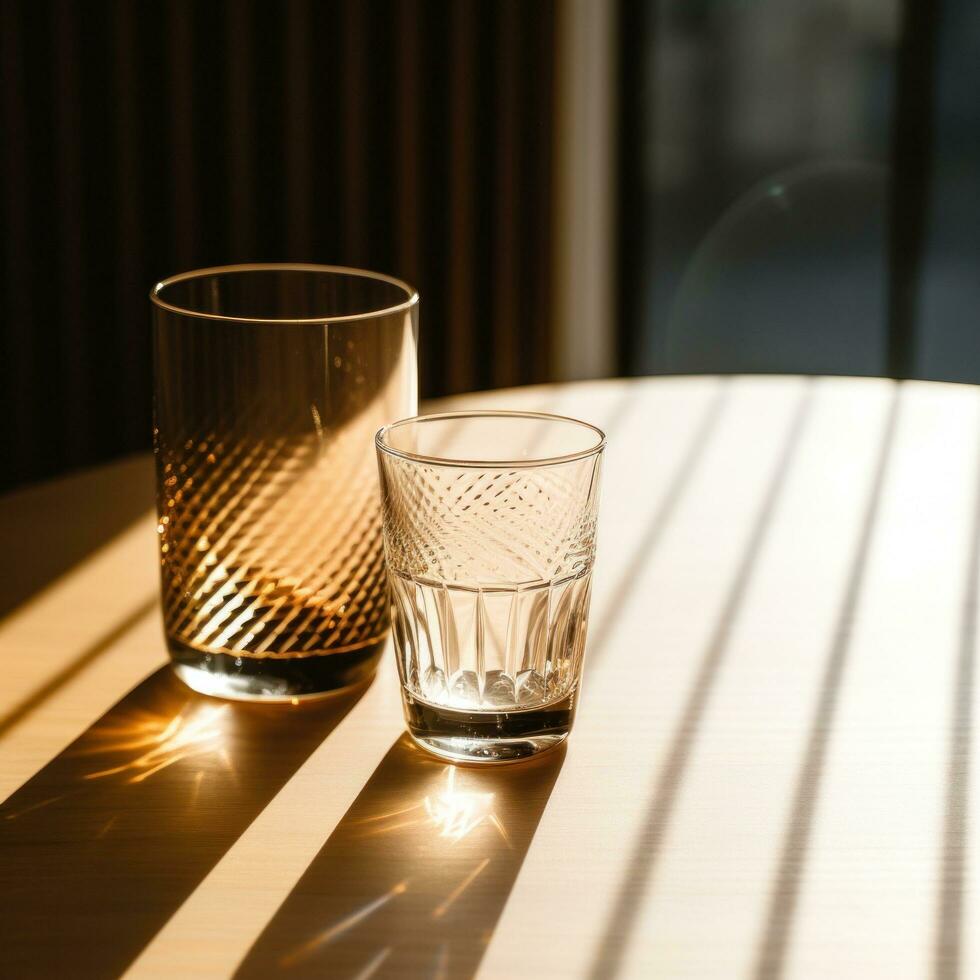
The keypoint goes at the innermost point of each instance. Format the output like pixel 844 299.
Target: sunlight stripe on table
pixel 680 765
pixel 52 642
pixel 57 721
pixel 960 884
pixel 784 889
pixel 957 876
pixel 214 929
pixel 868 885
pixel 74 619
pixel 722 835
pixel 633 550
pixel 761 774
pixel 633 701
pixel 264 865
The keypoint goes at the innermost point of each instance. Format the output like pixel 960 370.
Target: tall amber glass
pixel 270 382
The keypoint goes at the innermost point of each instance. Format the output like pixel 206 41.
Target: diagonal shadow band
pixel 646 851
pixel 948 949
pixel 101 847
pixel 630 574
pixel 50 528
pixel 87 656
pixel 793 856
pixel 414 877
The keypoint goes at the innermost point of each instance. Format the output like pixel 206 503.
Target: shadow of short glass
pixel 416 874
pixel 791 280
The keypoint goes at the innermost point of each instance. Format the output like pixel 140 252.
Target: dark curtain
pixel 142 139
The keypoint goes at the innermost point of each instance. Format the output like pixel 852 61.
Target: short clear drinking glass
pixel 489 531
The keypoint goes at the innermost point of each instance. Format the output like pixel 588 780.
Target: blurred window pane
pixel 763 143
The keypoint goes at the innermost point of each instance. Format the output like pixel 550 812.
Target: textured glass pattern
pixel 490 573
pixel 269 516
pixel 273 549
pixel 490 648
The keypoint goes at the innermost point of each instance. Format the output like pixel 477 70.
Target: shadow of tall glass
pixel 270 381
pixel 104 843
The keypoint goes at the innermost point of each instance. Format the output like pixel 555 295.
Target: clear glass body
pixel 489 533
pixel 269 384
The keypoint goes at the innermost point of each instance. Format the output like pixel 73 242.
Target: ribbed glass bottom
pixel 489 674
pixel 488 736
pixel 272 678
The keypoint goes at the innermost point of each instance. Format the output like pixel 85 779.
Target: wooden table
pixel 771 775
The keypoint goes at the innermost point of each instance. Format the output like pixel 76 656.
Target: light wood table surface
pixel 772 773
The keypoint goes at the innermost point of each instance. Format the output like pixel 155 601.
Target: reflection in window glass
pixel 763 147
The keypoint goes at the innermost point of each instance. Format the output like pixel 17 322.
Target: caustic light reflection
pixel 440 819
pixel 443 907
pixel 344 925
pixel 456 812
pixel 453 812
pixel 193 732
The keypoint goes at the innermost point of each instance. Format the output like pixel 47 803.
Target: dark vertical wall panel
pixel 354 59
pixel 636 117
pixel 407 119
pixel 129 248
pixel 142 138
pixel 536 205
pixel 20 381
pixel 327 142
pixel 75 370
pixel 506 229
pixel 462 191
pixel 299 164
pixel 240 143
pixel 434 162
pixel 184 204
pixel 910 186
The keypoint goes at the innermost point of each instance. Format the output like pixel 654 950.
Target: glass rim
pixel 509 464
pixel 411 294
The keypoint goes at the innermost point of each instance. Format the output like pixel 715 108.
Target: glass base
pixel 488 737
pixel 284 679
